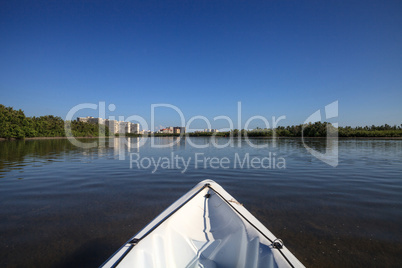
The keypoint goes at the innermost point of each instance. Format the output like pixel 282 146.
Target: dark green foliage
pixel 198 134
pixel 164 135
pixel 14 124
pixel 372 131
pixel 81 129
pixel 316 129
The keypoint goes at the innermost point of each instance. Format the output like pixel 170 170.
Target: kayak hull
pixel 206 227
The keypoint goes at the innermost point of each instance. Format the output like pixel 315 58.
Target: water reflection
pixel 89 195
pixel 14 155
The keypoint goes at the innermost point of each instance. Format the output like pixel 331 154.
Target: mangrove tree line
pixel 14 124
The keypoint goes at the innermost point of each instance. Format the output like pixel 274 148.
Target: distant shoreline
pixel 281 137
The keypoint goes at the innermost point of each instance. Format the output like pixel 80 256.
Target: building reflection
pixel 168 142
pixel 124 145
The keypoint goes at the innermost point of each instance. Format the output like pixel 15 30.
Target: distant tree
pixel 14 124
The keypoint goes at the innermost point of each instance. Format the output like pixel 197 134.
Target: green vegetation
pixel 317 129
pixel 14 124
pixel 373 131
pixel 130 135
pixel 165 135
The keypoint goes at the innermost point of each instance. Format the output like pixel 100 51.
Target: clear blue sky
pixel 277 57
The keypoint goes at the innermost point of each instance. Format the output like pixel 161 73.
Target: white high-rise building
pixel 134 128
pixel 113 125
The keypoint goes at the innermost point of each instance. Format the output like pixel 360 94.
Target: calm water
pixel 63 206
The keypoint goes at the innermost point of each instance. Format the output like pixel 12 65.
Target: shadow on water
pixel 14 155
pixel 19 153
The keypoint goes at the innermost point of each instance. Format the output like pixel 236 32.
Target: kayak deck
pixel 206 227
